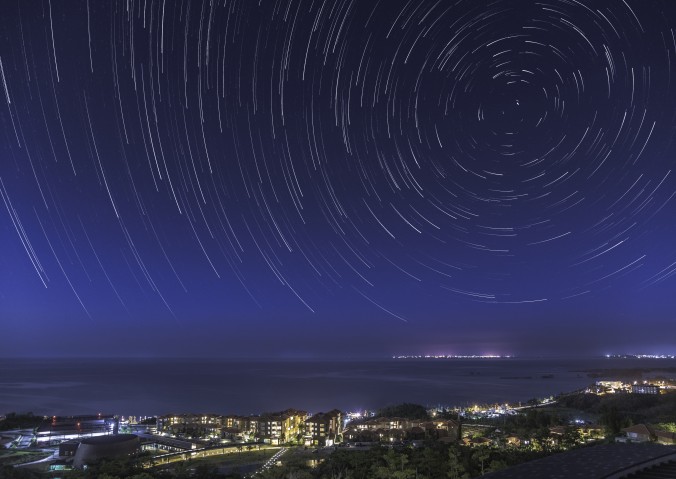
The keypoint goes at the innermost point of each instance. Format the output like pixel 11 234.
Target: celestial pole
pixel 172 158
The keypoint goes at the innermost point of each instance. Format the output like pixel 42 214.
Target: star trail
pixel 331 176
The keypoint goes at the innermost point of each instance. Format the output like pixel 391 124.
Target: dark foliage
pixel 617 409
pixel 11 472
pixel 20 421
pixel 406 410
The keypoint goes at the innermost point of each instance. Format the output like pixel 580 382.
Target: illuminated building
pixel 284 426
pixel 396 429
pixel 324 429
pixel 193 425
pixel 645 389
pixel 63 428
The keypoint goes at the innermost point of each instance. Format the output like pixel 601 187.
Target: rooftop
pixel 595 462
pixel 110 439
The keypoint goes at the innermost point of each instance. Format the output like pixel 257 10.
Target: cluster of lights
pixel 452 356
pixel 273 460
pixel 641 356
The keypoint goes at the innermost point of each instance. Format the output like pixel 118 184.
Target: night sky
pixel 307 178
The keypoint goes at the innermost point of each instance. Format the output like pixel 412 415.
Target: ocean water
pixel 161 386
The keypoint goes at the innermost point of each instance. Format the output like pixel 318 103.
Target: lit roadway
pixel 22 438
pixel 53 457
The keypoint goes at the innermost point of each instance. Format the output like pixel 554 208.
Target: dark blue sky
pixel 311 178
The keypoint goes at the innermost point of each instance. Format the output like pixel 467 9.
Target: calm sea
pixel 152 386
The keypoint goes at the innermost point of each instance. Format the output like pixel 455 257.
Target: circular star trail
pixel 230 158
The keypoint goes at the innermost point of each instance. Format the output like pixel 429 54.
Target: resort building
pixel 647 433
pixel 645 389
pixel 191 425
pixel 399 429
pixel 281 427
pixel 323 429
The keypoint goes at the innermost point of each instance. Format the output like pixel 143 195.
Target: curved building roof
pixel 608 461
pixel 93 449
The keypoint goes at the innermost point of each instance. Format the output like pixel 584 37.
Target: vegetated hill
pixel 638 408
pixel 405 410
pixel 20 421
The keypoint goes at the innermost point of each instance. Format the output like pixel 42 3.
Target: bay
pixel 160 386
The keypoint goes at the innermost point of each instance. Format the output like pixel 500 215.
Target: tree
pixel 481 455
pixel 571 437
pixel 543 439
pixel 430 461
pixel 455 468
pixel 612 420
pixel 394 468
